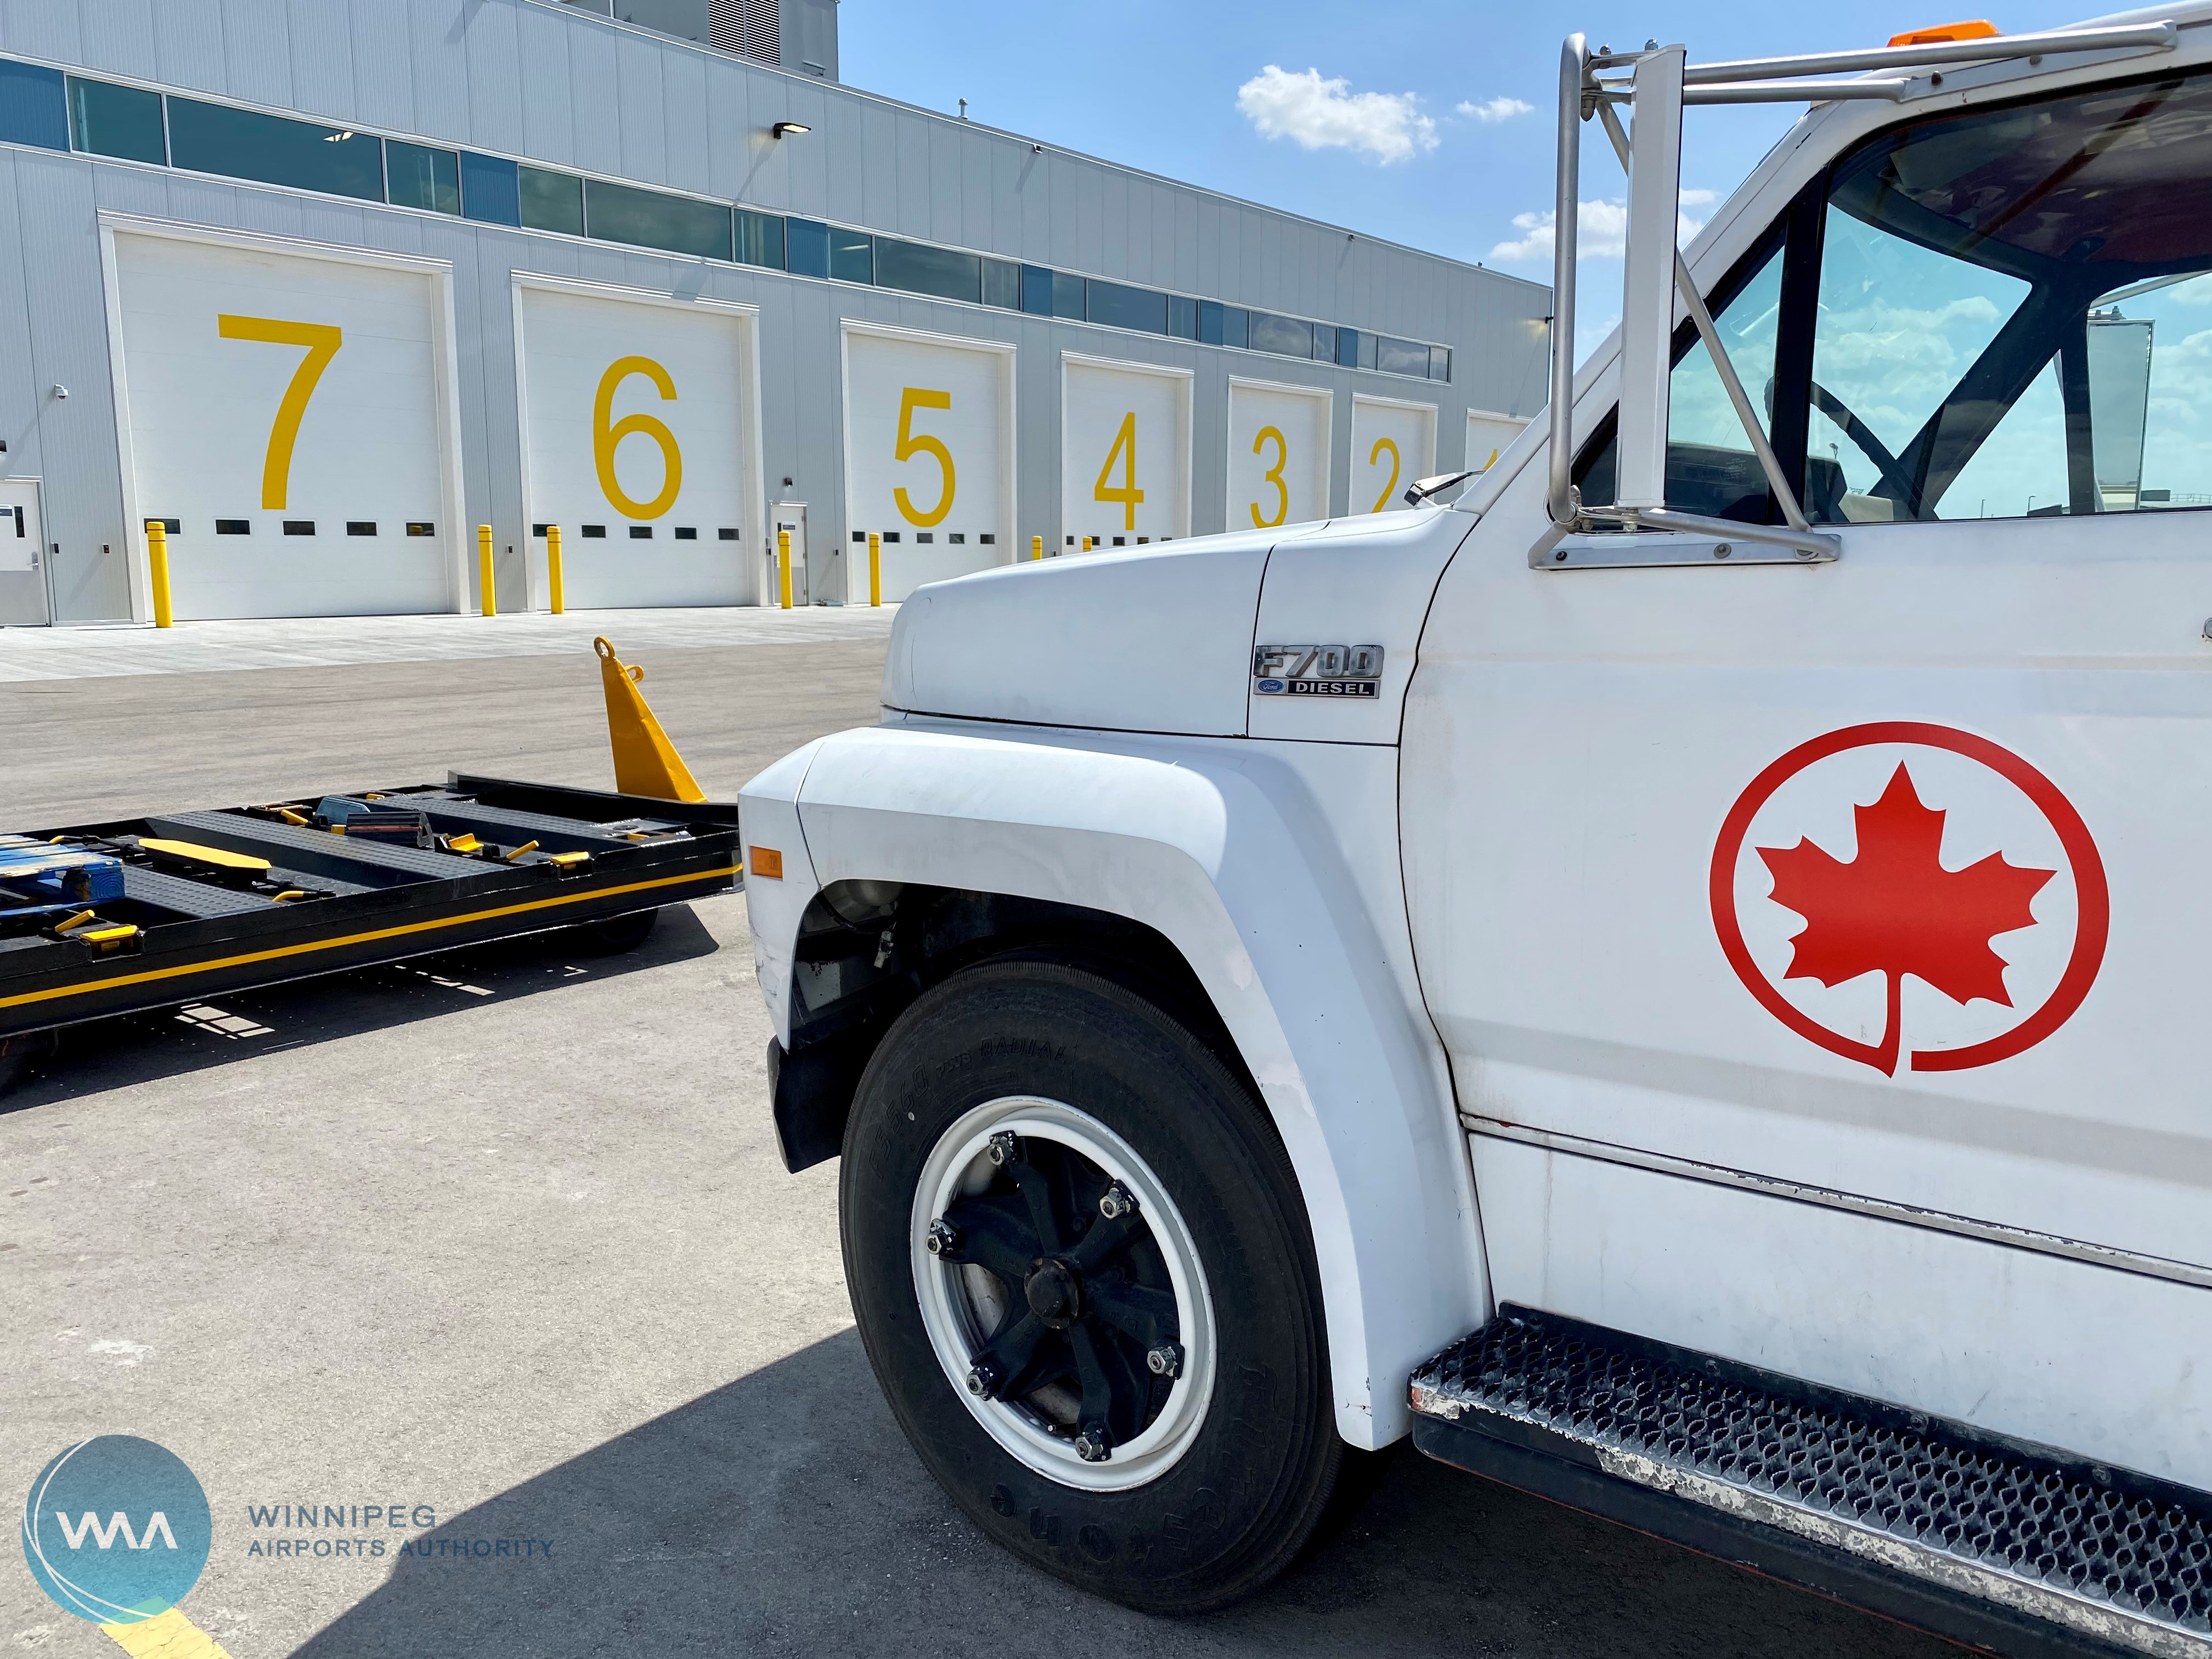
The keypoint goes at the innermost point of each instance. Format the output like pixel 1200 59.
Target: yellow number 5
pixel 911 398
pixel 322 341
pixel 605 438
pixel 1381 444
pixel 1273 475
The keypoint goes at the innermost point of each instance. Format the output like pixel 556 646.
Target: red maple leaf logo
pixel 1895 910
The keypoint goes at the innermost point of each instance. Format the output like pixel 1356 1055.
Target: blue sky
pixel 1156 84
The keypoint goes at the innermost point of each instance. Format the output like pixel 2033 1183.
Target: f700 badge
pixel 1316 670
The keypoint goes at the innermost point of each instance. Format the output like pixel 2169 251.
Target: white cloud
pixel 1327 115
pixel 1601 229
pixel 1493 109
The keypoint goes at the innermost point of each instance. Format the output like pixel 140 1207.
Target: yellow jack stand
pixel 645 763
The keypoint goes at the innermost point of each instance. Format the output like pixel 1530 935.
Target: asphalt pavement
pixel 499 1241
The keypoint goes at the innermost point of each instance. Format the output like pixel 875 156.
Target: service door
pixel 1821 948
pixel 642 446
pixel 22 555
pixel 1124 453
pixel 929 452
pixel 1277 455
pixel 1392 443
pixel 288 413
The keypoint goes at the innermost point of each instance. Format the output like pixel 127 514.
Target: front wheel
pixel 1082 1275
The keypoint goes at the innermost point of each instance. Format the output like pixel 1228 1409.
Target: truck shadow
pixel 784 1514
pixel 111 1054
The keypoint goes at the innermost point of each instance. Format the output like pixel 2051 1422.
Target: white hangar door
pixel 1392 443
pixel 1487 437
pixel 1277 455
pixel 1124 453
pixel 929 453
pixel 287 414
pixel 641 445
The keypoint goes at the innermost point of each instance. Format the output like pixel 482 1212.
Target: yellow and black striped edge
pixel 116 980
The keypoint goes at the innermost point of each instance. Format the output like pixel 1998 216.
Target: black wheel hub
pixel 1054 1290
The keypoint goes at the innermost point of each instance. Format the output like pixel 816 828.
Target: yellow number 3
pixel 322 341
pixel 605 438
pixel 1273 475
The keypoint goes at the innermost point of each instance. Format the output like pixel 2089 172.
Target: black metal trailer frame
pixel 505 858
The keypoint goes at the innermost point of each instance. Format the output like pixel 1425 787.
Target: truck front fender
pixel 1221 848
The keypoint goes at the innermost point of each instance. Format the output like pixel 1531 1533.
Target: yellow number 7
pixel 911 398
pixel 322 341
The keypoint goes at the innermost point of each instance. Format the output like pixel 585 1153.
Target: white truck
pixel 1679 979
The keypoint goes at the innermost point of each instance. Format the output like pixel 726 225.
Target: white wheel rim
pixel 954 1313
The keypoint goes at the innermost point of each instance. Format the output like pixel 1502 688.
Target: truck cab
pixel 1670 974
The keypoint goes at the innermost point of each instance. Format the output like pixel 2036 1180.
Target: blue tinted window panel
pixel 1067 296
pixel 491 190
pixel 552 201
pixel 1347 348
pixel 243 144
pixel 1235 327
pixel 1036 290
pixel 761 239
pixel 1118 306
pixel 33 109
pixel 806 248
pixel 124 122
pixel 417 176
pixel 1002 284
pixel 914 268
pixel 1182 317
pixel 1287 336
pixel 1403 357
pixel 1209 322
pixel 852 256
pixel 651 218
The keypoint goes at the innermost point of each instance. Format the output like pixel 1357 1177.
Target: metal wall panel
pixel 117 35
pixel 257 45
pixel 496 84
pixel 320 38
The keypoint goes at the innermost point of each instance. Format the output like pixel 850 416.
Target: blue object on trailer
pixel 43 875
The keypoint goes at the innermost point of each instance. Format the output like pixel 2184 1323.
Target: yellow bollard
pixel 157 564
pixel 1036 547
pixel 553 568
pixel 783 564
pixel 484 588
pixel 875 568
pixel 1086 543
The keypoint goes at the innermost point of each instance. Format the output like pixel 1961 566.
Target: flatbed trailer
pixel 133 915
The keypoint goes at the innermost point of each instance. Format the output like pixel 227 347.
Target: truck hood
pixel 1153 639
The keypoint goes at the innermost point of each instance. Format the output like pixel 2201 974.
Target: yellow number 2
pixel 1125 449
pixel 911 398
pixel 1273 475
pixel 1381 444
pixel 322 341
pixel 605 438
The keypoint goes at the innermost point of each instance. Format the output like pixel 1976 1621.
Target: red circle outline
pixel 2093 895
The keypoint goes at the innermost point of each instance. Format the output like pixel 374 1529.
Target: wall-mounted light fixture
pixel 785 129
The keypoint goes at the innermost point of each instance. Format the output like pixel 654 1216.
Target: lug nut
pixel 944 1239
pixel 1117 1201
pixel 983 1380
pixel 1094 1445
pixel 1005 1150
pixel 1166 1360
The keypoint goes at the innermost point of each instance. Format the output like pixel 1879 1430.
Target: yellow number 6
pixel 1381 444
pixel 322 341
pixel 1273 475
pixel 604 438
pixel 911 398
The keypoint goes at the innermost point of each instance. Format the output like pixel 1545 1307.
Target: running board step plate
pixel 2014 1548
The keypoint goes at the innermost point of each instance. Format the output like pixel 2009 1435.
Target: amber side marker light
pixel 1979 29
pixel 765 861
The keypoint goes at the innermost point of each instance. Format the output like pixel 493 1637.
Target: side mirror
pixel 1421 488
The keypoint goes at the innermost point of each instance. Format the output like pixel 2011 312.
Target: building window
pixel 1182 317
pixel 1440 363
pixel 1002 284
pixel 1324 343
pixel 552 201
pixel 1117 307
pixel 806 248
pixel 417 176
pixel 119 121
pixel 648 218
pixel 490 190
pixel 1209 322
pixel 1367 344
pixel 915 268
pixel 1287 336
pixel 1401 357
pixel 1347 348
pixel 243 144
pixel 1067 296
pixel 760 239
pixel 1036 290
pixel 33 109
pixel 1235 327
pixel 851 256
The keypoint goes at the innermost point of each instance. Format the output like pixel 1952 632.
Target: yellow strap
pixel 165 1636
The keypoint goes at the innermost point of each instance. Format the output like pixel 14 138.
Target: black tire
pixel 1257 1480
pixel 613 936
pixel 24 1055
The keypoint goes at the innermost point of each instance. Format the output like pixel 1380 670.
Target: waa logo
pixel 111 1570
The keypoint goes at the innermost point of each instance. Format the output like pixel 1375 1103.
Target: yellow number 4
pixel 911 398
pixel 1125 449
pixel 322 341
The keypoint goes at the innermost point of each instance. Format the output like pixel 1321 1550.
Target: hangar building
pixel 323 285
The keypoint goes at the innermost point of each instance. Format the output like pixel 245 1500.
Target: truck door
pixel 1876 888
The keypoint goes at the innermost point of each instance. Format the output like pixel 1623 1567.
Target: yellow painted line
pixel 165 1636
pixel 283 951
